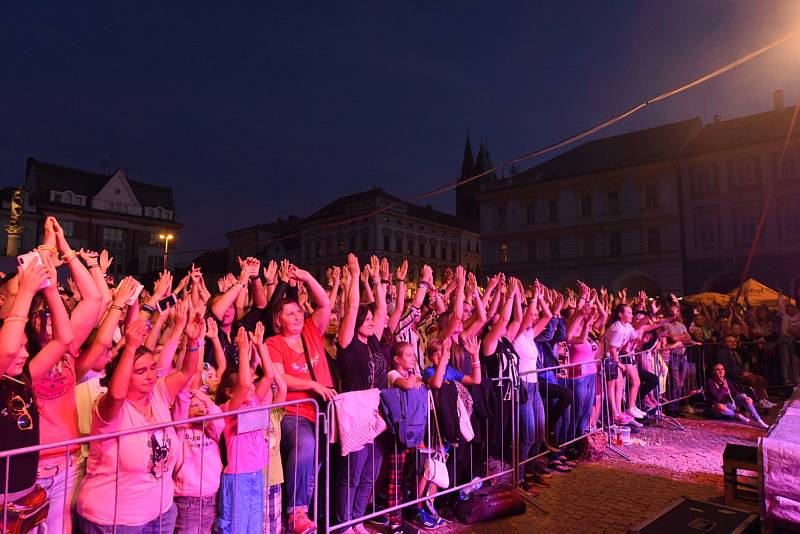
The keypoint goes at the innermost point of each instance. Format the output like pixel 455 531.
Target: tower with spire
pixel 467 205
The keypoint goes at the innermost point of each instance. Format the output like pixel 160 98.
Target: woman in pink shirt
pixel 128 480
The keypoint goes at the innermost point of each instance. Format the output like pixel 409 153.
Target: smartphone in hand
pixel 31 259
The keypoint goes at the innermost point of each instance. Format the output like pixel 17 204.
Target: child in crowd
pixel 241 503
pixel 404 376
pixel 199 466
pixel 274 469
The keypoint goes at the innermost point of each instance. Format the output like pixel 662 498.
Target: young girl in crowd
pixel 404 376
pixel 241 503
pixel 199 466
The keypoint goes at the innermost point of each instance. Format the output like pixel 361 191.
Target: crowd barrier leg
pixel 607 416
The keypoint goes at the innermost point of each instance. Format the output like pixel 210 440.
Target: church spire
pixel 468 163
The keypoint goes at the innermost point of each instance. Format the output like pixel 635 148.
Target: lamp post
pixel 166 239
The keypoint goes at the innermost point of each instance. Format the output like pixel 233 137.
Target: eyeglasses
pixel 17 408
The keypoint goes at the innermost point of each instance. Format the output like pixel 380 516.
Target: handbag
pixel 464 421
pixel 24 514
pixel 611 368
pixel 490 503
pixel 435 469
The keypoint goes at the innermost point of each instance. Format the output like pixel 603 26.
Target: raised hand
pixel 283 272
pixel 257 337
pixel 163 285
pixel 89 257
pixel 211 328
pixel 125 290
pixel 31 279
pixel 243 343
pixel 336 275
pixel 375 269
pixel 402 271
pixel 385 272
pixel 426 274
pixel 105 260
pixel 471 345
pixel 135 333
pixel 270 271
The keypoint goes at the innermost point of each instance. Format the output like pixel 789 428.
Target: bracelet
pixel 94 265
pixel 149 309
pixel 117 307
pixel 193 349
pixel 385 282
pixel 270 284
pixel 475 365
pixel 49 248
pixel 12 318
pixel 68 256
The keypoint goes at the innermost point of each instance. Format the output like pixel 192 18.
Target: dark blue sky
pixel 254 111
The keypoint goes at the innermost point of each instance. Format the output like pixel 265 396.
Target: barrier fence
pixel 535 417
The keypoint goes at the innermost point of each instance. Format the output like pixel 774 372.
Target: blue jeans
pixel 297 452
pixel 585 389
pixel 531 425
pixel 678 369
pixel 241 503
pixel 357 473
pixel 163 524
pixel 196 515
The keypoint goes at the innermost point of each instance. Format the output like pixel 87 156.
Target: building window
pixel 398 244
pixel 501 218
pixel 364 241
pixel 155 264
pixel 530 213
pixel 329 246
pixel 56 196
pixel 443 253
pixel 118 266
pixel 477 246
pixel 503 253
pixel 148 212
pixel 653 240
pixel 469 245
pixel 651 197
pixel 113 234
pixel 586 205
pixel 612 198
pixel 745 173
pixel 154 239
pixel 69 228
pixel 705 229
pixel 340 246
pixel 387 243
pixel 552 210
pixel 790 167
pixel 745 219
pixel 615 244
pixel 555 249
pixel 531 246
pixel 790 222
pixel 702 179
pixel 452 255
pixel 587 246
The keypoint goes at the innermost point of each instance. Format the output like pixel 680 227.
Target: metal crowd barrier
pixel 68 446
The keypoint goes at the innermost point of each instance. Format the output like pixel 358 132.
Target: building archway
pixel 635 282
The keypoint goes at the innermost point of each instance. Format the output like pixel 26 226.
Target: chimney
pixel 777 100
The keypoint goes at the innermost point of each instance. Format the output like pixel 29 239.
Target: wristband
pixel 117 307
pixel 385 282
pixel 149 309
pixel 94 265
pixel 193 349
pixel 68 256
pixel 270 284
pixel 12 318
pixel 475 365
pixel 49 248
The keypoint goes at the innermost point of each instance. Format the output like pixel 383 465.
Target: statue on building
pixel 14 226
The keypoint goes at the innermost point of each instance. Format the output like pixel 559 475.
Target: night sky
pixel 255 111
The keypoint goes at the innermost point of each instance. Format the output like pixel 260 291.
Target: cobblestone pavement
pixel 613 494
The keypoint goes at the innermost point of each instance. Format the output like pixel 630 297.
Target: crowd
pixel 379 350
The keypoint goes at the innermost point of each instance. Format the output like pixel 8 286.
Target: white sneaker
pixel 636 412
pixel 759 423
pixel 361 529
pixel 769 404
pixel 742 418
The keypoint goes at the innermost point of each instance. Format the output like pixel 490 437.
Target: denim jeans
pixel 531 425
pixel 60 477
pixel 354 482
pixel 585 389
pixel 163 524
pixel 196 515
pixel 297 452
pixel 678 369
pixel 241 503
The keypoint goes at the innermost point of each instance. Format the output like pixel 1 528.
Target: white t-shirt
pixel 528 355
pixel 620 335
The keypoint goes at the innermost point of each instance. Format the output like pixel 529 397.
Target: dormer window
pixel 67 197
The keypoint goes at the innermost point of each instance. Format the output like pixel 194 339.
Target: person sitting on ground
pixel 724 401
pixel 736 369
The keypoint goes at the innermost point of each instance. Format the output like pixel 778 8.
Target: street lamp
pixel 166 238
